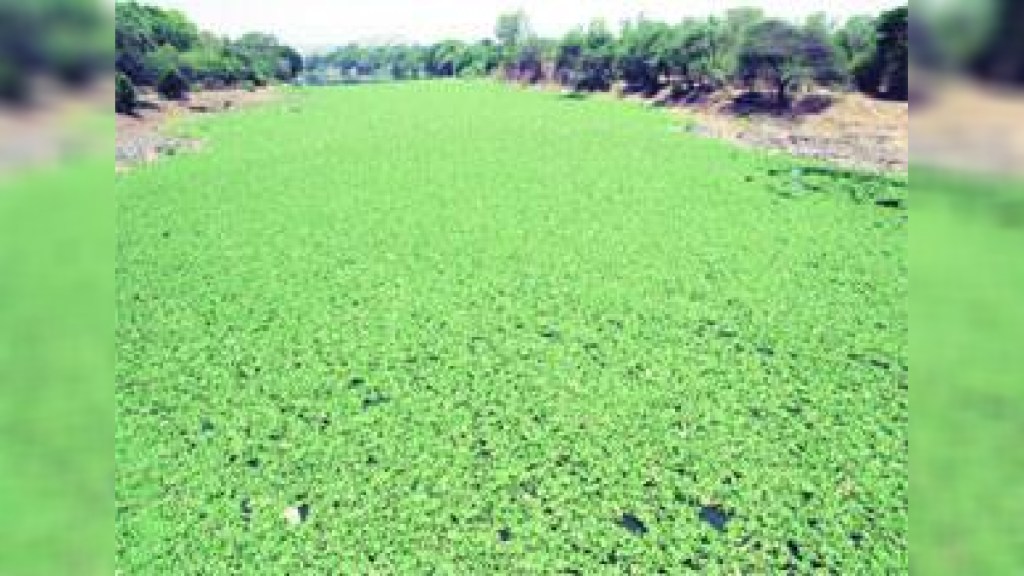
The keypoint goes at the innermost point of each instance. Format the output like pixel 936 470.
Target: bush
pixel 867 75
pixel 13 84
pixel 125 99
pixel 172 84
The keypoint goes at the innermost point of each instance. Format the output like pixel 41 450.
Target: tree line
pixel 51 44
pixel 742 47
pixel 163 49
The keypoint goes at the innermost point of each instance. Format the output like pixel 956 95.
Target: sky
pixel 313 25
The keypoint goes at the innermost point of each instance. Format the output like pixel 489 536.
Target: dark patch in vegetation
pixel 890 203
pixel 171 84
pixel 550 333
pixel 801 181
pixel 794 550
pixel 812 104
pixel 715 516
pixel 634 525
pixel 125 97
pixel 575 95
pixel 375 398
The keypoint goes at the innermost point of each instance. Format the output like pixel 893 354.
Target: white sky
pixel 316 24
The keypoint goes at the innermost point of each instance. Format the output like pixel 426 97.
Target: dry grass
pixel 846 128
pixel 141 137
pixel 972 128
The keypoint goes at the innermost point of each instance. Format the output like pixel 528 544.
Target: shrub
pixel 13 84
pixel 172 85
pixel 867 74
pixel 125 98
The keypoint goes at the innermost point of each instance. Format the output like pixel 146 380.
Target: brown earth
pixel 56 126
pixel 969 127
pixel 849 129
pixel 146 135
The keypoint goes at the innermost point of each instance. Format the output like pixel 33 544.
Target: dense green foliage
pixel 968 324
pixel 742 47
pixel 125 98
pixel 403 62
pixel 642 54
pixel 886 71
pixel 586 57
pixel 153 44
pixel 56 361
pixel 171 84
pixel 66 40
pixel 482 330
pixel 1001 54
pixel 786 56
pixel 983 38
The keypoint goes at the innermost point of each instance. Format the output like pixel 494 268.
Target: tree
pixel 1001 56
pixel 150 41
pixel 351 59
pixel 893 54
pixel 481 58
pixel 518 46
pixel 732 32
pixel 172 28
pixel 585 57
pixel 125 99
pixel 511 30
pixel 886 72
pixel 156 62
pixel 783 55
pixel 691 55
pixel 260 53
pixel 211 63
pixel 528 61
pixel 292 62
pixel 402 62
pixel 14 87
pixel 821 52
pixel 446 57
pixel 695 57
pixel 855 41
pixel 643 54
pixel 818 25
pixel 133 38
pixel 172 84
pixel 568 56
